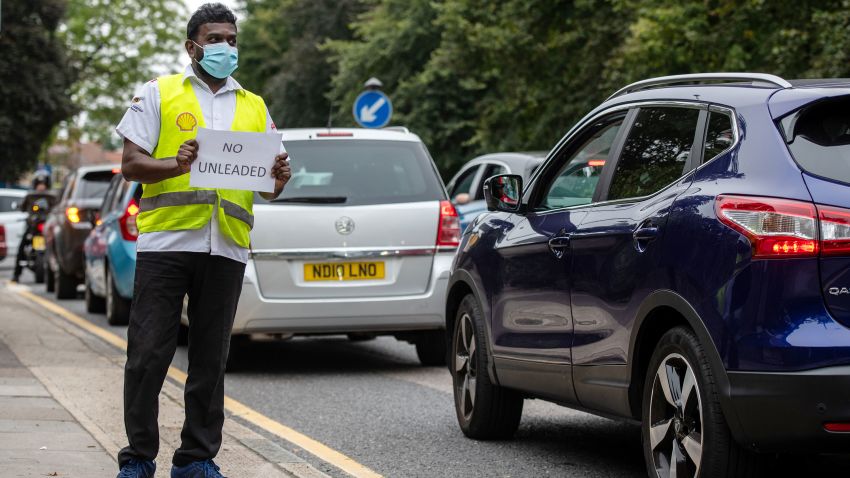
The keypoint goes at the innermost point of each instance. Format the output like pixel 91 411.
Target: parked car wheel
pixel 94 303
pixel 39 269
pixel 431 348
pixel 117 307
pixel 50 279
pixel 684 431
pixel 66 285
pixel 484 410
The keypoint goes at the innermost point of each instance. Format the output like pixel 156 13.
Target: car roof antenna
pixel 330 114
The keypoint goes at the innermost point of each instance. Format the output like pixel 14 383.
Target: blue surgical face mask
pixel 220 59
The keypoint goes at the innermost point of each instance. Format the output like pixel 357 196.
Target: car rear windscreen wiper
pixel 314 199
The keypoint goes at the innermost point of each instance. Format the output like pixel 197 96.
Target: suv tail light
pixel 786 228
pixel 834 230
pixel 129 230
pixel 448 228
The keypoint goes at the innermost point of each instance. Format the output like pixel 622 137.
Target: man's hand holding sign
pixel 235 160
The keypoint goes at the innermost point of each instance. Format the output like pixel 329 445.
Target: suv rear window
pixel 819 139
pixel 359 172
pixel 94 184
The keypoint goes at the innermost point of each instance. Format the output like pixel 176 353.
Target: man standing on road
pixel 192 241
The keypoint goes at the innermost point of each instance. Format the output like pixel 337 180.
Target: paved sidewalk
pixel 61 406
pixel 38 437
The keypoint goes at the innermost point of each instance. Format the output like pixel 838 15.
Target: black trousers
pixel 163 279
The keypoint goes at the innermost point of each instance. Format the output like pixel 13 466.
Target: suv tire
pixel 66 285
pixel 431 348
pixel 485 411
pixel 682 421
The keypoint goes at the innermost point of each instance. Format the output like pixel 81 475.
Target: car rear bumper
pixel 257 314
pixel 786 412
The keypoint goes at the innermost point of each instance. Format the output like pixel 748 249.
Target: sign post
pixel 372 108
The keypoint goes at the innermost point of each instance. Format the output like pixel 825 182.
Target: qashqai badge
pixel 839 291
pixel 344 225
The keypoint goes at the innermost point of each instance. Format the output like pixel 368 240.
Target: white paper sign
pixel 235 160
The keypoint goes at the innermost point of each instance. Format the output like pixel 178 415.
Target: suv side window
pixel 718 136
pixel 656 151
pixel 464 182
pixel 575 182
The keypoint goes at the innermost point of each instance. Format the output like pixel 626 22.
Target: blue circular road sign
pixel 372 109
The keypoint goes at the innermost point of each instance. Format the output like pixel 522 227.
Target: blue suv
pixel 682 259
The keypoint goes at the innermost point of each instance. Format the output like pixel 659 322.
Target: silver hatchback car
pixel 360 242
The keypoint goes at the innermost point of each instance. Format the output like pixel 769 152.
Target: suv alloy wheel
pixel 683 428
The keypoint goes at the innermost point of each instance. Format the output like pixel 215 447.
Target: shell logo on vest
pixel 186 121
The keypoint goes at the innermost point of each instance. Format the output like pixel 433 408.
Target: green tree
pixel 115 45
pixel 34 82
pixel 281 59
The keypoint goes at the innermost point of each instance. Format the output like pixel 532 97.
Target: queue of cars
pixel 681 258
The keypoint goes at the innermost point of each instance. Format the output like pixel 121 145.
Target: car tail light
pixel 73 215
pixel 3 247
pixel 834 230
pixel 338 134
pixel 775 227
pixel 840 427
pixel 448 232
pixel 129 230
pixel 787 228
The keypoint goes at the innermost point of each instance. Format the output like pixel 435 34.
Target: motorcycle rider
pixel 40 183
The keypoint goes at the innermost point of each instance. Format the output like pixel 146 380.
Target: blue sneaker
pixel 197 469
pixel 137 469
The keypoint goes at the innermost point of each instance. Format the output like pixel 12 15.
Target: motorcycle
pixel 31 252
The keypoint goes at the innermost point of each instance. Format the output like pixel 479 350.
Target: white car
pixel 360 242
pixel 12 219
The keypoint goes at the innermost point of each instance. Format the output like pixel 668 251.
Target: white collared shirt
pixel 141 124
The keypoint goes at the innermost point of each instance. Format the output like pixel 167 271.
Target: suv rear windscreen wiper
pixel 314 199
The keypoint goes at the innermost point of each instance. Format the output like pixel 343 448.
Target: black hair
pixel 208 13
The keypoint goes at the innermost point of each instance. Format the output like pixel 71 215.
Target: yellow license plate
pixel 38 243
pixel 340 271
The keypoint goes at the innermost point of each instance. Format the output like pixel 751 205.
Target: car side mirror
pixel 461 199
pixel 503 193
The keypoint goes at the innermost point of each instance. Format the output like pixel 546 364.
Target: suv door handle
pixel 559 245
pixel 643 236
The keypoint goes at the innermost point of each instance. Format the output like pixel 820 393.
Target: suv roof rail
pixel 402 129
pixel 698 78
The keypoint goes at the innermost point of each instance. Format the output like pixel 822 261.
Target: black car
pixel 68 225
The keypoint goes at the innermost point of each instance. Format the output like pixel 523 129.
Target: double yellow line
pixel 314 447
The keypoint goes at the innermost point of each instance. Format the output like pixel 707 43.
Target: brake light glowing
pixel 129 230
pixel 73 214
pixel 116 170
pixel 448 227
pixel 834 230
pixel 840 427
pixel 775 227
pixel 596 162
pixel 40 227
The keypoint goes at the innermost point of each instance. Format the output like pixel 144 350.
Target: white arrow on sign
pixel 367 113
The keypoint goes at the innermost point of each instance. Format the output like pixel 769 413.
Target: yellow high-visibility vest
pixel 173 205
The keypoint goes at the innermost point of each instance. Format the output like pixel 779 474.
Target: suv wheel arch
pixel 659 312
